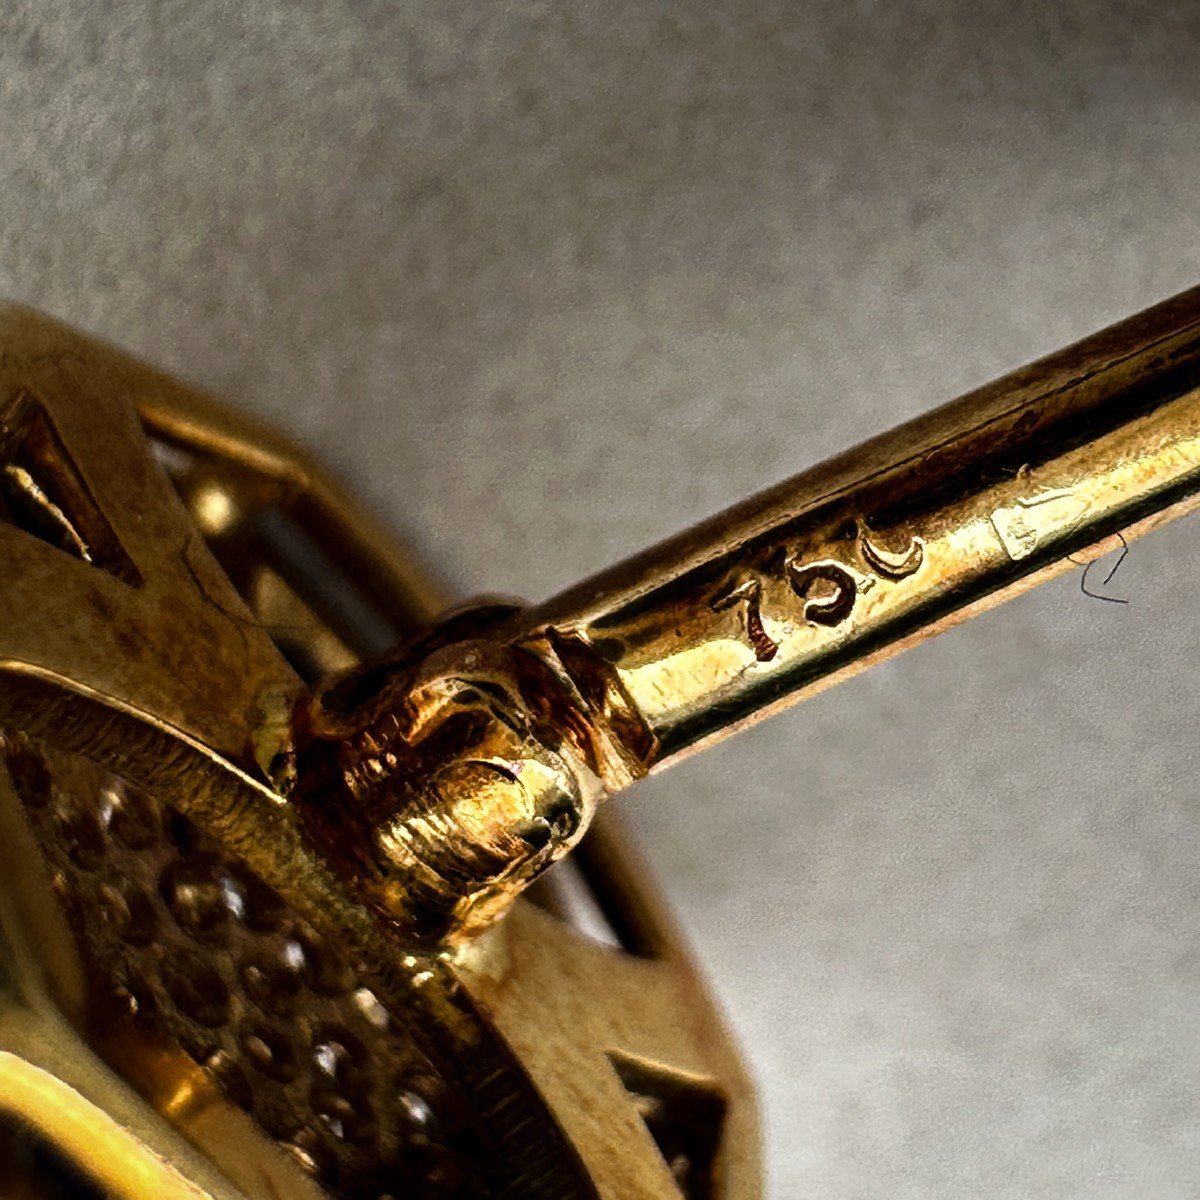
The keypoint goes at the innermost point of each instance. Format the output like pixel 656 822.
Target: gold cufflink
pixel 276 918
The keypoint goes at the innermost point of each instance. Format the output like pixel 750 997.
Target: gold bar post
pixel 918 529
pixel 783 595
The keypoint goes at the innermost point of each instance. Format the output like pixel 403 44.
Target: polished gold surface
pixel 201 1002
pixel 924 526
pixel 261 809
pixel 791 591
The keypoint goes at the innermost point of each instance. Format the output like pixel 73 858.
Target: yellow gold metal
pixel 855 560
pixel 227 999
pixel 784 595
pixel 261 807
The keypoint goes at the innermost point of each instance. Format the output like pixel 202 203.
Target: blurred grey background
pixel 548 281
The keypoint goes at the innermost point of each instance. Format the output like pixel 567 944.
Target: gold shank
pixel 780 597
pixel 402 804
pixel 861 556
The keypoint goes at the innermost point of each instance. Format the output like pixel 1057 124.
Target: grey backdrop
pixel 546 281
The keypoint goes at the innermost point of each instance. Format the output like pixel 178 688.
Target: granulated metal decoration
pixel 269 820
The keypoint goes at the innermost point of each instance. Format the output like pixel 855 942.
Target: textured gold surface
pixel 234 1020
pixel 264 812
pixel 786 594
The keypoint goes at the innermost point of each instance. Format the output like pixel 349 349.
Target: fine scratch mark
pixel 239 621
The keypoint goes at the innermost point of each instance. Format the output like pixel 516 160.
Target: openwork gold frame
pixel 152 663
pixel 249 769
